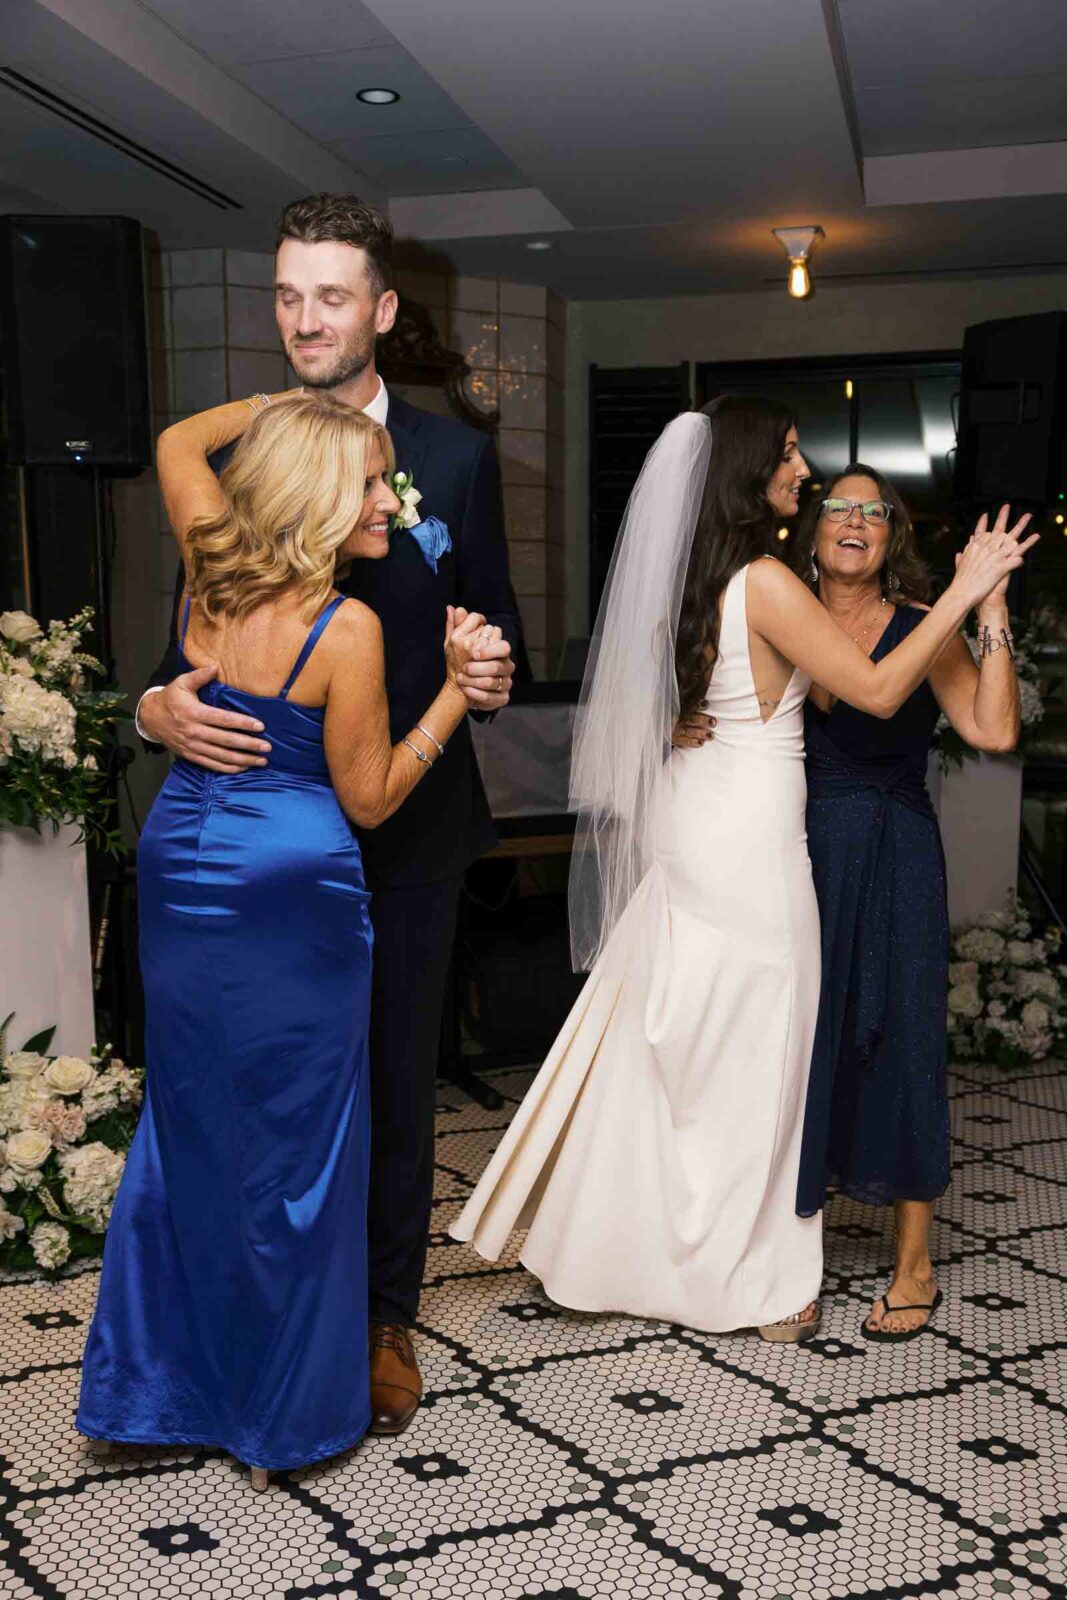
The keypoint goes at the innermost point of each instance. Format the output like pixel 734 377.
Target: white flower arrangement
pixel 65 1128
pixel 1007 998
pixel 53 727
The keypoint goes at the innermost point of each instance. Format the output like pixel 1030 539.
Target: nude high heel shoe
pixel 260 1478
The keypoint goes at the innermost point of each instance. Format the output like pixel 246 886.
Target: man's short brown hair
pixel 345 219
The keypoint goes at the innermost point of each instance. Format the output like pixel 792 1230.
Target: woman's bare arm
pixel 784 611
pixel 982 704
pixel 371 775
pixel 190 489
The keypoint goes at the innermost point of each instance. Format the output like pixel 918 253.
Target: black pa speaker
pixel 73 343
pixel 1013 411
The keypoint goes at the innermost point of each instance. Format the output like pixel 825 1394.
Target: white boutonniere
pixel 409 497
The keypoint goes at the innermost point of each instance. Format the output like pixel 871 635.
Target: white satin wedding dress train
pixel 654 1160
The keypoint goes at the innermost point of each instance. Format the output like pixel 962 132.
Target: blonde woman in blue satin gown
pixel 654 1160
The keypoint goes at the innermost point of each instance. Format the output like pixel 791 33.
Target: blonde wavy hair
pixel 294 486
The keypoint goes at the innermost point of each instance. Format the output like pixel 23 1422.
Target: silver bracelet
pixel 430 736
pixel 252 402
pixel 417 752
pixel 987 645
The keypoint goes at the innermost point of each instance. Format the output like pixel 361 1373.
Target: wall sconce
pixel 798 243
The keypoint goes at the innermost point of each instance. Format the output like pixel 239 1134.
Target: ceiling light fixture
pixel 539 244
pixel 798 243
pixel 377 97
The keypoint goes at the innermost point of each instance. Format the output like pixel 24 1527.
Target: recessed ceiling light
pixel 454 161
pixel 539 244
pixel 378 97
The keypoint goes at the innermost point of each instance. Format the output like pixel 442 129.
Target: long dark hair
pixel 902 552
pixel 735 525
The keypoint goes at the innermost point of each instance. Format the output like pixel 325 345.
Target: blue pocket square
pixel 433 539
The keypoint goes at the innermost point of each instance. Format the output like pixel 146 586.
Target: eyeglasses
pixel 871 510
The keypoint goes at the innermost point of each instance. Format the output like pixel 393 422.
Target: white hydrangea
pixel 116 1085
pixel 1034 985
pixel 10 1225
pixel 1031 705
pixel 980 944
pixel 18 1097
pixel 50 1243
pixel 963 972
pixel 41 720
pixel 91 1174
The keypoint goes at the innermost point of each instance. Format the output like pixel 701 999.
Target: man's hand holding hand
pixel 223 741
pixel 486 681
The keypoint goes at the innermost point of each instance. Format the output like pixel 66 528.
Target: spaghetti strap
pixel 184 628
pixel 318 627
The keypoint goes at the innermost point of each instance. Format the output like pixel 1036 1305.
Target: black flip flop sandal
pixel 878 1337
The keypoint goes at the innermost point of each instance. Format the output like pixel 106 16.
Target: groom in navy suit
pixel 333 298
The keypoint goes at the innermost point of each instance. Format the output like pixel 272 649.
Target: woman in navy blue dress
pixel 876 1121
pixel 232 1306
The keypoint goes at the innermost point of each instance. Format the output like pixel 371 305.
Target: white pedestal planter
pixel 979 807
pixel 45 957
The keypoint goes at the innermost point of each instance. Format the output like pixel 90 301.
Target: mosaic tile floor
pixel 560 1456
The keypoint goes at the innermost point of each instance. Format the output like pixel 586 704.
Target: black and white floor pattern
pixel 559 1456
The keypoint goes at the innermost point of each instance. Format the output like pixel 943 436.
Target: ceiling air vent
pixel 50 101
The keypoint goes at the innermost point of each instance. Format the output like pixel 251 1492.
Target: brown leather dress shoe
pixel 395 1379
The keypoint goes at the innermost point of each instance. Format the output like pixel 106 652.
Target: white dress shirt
pixel 378 411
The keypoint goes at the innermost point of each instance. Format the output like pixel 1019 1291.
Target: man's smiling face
pixel 327 311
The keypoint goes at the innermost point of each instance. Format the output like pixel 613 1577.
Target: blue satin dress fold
pixel 876 1118
pixel 232 1306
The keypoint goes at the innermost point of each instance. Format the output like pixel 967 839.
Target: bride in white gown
pixel 654 1159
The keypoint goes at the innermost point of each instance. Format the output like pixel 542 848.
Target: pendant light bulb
pixel 798 243
pixel 799 278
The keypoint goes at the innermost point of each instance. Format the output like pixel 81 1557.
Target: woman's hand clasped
pixel 485 671
pixel 991 555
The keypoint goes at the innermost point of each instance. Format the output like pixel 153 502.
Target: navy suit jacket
pixel 445 824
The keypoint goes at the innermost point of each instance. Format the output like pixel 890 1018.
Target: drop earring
pixel 814 570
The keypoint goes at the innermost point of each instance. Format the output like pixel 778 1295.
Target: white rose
pixel 1019 952
pixel 1000 920
pixel 24 1064
pixel 1035 1014
pixel 964 1000
pixel 963 972
pixel 50 1243
pixel 407 516
pixel 27 1151
pixel 68 1074
pixel 19 627
pixel 9 1224
pixel 8 1181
